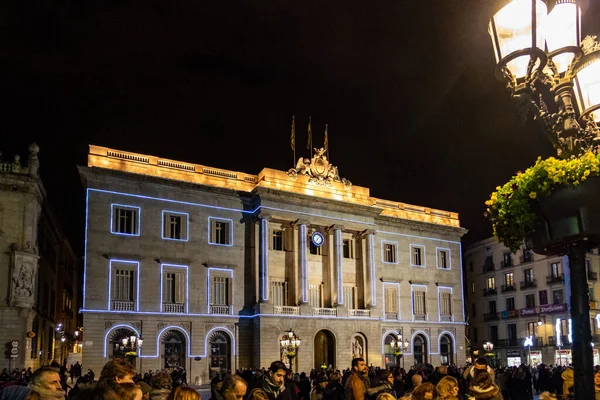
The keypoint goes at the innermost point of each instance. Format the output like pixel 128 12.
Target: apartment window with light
pixel 173 291
pixel 528 275
pixel 125 220
pixel 418 255
pixel 277 239
pixel 123 289
pixel 419 309
pixel 174 226
pixel 443 259
pixel 529 300
pixel 347 248
pixel 510 303
pixel 491 282
pixel 557 296
pixel 279 293
pixel 555 269
pixel 389 253
pixel 509 279
pixel 220 232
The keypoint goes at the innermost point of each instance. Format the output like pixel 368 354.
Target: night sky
pixel 407 88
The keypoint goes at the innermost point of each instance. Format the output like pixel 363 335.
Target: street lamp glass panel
pixel 587 88
pixel 132 338
pixel 514 31
pixel 561 30
pixel 140 341
pixel 393 343
pixel 298 342
pixel 124 341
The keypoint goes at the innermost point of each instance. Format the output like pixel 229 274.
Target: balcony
pixel 420 317
pixel 550 279
pixel 508 288
pixel 286 310
pixel 491 316
pixel 220 310
pixel 359 313
pixel 526 258
pixel 506 264
pixel 446 317
pixel 488 267
pixel 512 342
pixel 592 276
pixel 391 316
pixel 489 291
pixel 538 342
pixel 325 312
pixel 528 284
pixel 119 305
pixel 173 307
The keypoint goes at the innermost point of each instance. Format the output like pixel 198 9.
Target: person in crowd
pixel 568 383
pixel 425 391
pixel 183 393
pixel 46 384
pixel 386 396
pixel 597 384
pixel 358 381
pixel 128 391
pixel 447 388
pixel 234 387
pixel 483 387
pixel 101 392
pixel 257 394
pixel 334 389
pixel 273 383
pixel 146 389
pixel 383 382
pixel 161 386
pixel 318 392
pixel 115 372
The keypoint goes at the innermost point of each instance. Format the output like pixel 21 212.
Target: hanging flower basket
pixel 551 205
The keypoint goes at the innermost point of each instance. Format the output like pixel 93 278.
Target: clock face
pixel 317 239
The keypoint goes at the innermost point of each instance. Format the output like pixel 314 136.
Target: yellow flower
pixel 533 195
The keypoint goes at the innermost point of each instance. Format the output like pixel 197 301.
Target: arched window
pixel 420 349
pixel 220 353
pixel 174 346
pixel 446 350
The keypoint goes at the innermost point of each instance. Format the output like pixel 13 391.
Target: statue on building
pixel 23 278
pixel 319 170
pixel 33 162
pixel 357 348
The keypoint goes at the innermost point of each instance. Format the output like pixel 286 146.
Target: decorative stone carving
pixel 33 161
pixel 160 325
pixel 137 325
pixel 208 327
pixel 185 325
pixel 108 324
pixel 24 275
pixel 231 327
pixel 318 170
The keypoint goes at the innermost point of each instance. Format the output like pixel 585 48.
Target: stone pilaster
pixel 302 259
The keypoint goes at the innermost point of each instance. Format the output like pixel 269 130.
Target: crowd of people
pixel 119 380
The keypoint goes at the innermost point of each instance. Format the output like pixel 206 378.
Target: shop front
pixel 563 357
pixel 513 358
pixel 596 355
pixel 535 358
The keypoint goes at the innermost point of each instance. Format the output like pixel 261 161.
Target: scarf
pixel 271 388
pixel 46 394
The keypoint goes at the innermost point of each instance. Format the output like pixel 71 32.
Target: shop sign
pixel 529 311
pixel 513 353
pixel 509 314
pixel 563 352
pixel 553 308
pixel 536 353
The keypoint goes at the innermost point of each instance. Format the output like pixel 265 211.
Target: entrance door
pixel 420 349
pixel 324 350
pixel 173 349
pixel 220 353
pixel 446 350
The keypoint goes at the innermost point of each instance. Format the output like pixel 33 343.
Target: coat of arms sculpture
pixel 319 170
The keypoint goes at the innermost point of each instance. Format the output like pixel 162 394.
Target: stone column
pixel 302 272
pixel 338 280
pixel 263 257
pixel 370 279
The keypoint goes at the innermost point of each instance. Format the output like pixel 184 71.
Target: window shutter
pixel 166 291
pixel 179 289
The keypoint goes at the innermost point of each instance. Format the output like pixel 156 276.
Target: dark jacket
pixel 489 393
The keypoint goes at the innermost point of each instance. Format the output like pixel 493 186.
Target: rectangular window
pixel 494 334
pixel 512 334
pixel 221 231
pixel 492 307
pixel 279 293
pixel 313 249
pixel 419 309
pixel 314 296
pixel 543 297
pixel 443 258
pixel 417 255
pixel 389 253
pixel 277 240
pixel 125 219
pixel 529 300
pixel 219 293
pixel 531 328
pixel 391 303
pixel 557 296
pixel 591 293
pixel 528 275
pixel 173 291
pixel 510 303
pixel 474 310
pixel 488 264
pixel 555 270
pixel 527 256
pixel 349 296
pixel 175 225
pixel 348 248
pixel 445 303
pixel 507 260
pixel 491 282
pixel 123 290
pixel 509 279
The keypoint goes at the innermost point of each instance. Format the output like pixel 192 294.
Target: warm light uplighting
pixel 512 30
pixel 562 30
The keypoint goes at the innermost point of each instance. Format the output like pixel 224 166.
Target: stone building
pixel 40 271
pixel 212 267
pixel 511 297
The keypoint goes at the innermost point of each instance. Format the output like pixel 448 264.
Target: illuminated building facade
pixel 213 267
pixel 511 297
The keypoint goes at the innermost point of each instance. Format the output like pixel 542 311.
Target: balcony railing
pixel 526 258
pixel 420 317
pixel 286 310
pixel 359 313
pixel 391 315
pixel 505 264
pixel 491 316
pixel 220 310
pixel 325 312
pixel 488 267
pixel 555 279
pixel 489 291
pixel 508 288
pixel 592 276
pixel 528 284
pixel 445 317
pixel 119 305
pixel 173 307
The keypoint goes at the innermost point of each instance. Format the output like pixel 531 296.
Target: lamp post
pixel 528 343
pixel 129 347
pixel 290 344
pixel 488 347
pixel 554 75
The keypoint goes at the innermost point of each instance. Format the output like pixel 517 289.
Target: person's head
pixel 483 380
pixel 442 370
pixel 184 393
pixel 322 380
pixel 547 396
pixel 100 392
pixel 359 365
pixel 258 394
pixel 447 387
pixel 386 396
pixel 597 378
pixel 335 376
pixel 116 371
pixel 425 391
pixel 128 391
pixel 277 372
pixel 416 379
pixel 47 379
pixel 385 375
pixel 162 380
pixel 234 387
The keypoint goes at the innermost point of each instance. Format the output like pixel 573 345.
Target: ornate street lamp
pixel 554 75
pixel 130 346
pixel 398 346
pixel 290 344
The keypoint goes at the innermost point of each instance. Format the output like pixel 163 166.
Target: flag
pixel 326 141
pixel 293 137
pixel 309 134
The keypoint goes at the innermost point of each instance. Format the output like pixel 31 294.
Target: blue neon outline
pixel 231 227
pixel 137 289
pixel 422 246
pixel 264 259
pixel 187 285
pixel 398 318
pixel 189 341
pixel 454 352
pixel 124 325
pixel 372 268
pixel 437 258
pixel 412 343
pixel 210 269
pixel 187 225
pixel 418 237
pixel 440 304
pixel 304 262
pixel 338 259
pixel 87 195
pixel 112 220
pixel 383 251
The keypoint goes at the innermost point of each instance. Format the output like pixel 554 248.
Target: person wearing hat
pixel 318 392
pixel 145 389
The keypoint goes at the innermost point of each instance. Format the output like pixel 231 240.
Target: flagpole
pixel 294 139
pixel 310 136
pixel 327 140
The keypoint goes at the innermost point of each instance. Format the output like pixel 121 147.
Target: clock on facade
pixel 317 239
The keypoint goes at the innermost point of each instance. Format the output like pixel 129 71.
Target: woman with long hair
pixel 184 393
pixel 447 388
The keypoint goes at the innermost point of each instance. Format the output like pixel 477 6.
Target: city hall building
pixel 212 268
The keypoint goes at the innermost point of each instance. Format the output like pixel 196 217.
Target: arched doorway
pixel 324 349
pixel 117 350
pixel 389 352
pixel 173 345
pixel 359 346
pixel 220 353
pixel 420 349
pixel 446 350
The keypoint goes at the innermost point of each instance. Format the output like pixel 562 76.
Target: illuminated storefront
pixel 535 358
pixel 513 358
